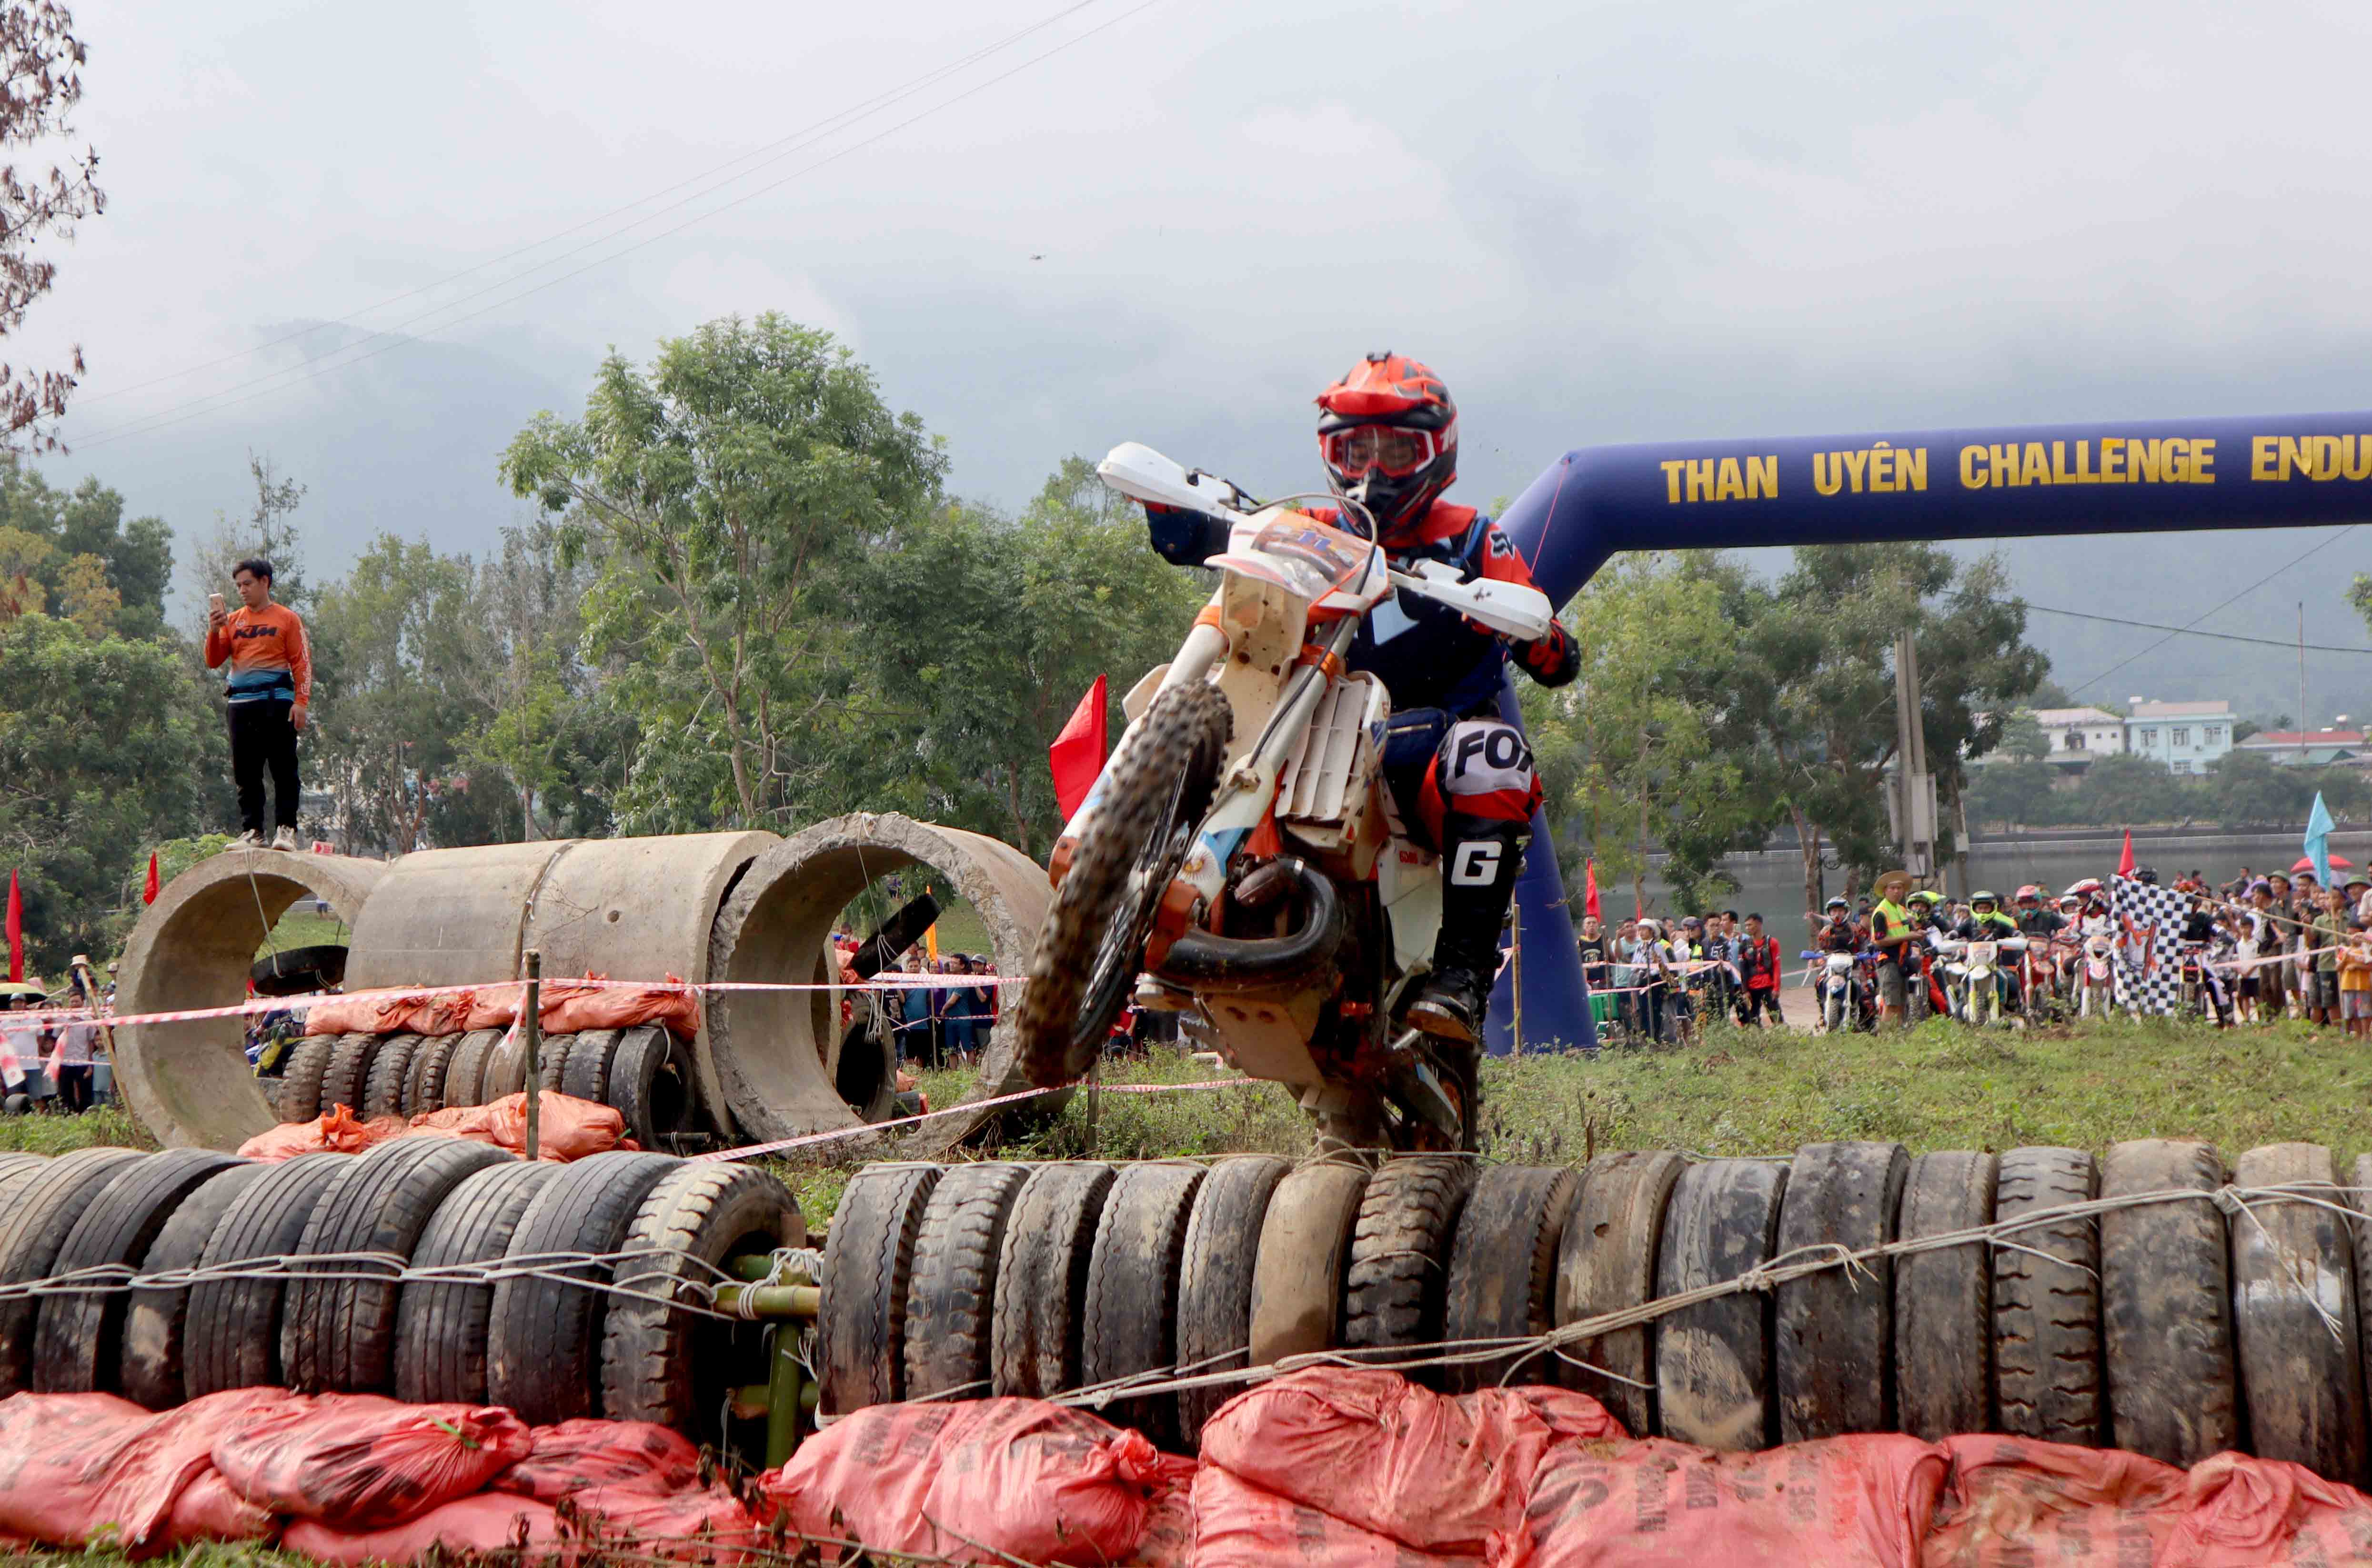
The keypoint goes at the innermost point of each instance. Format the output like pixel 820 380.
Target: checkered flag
pixel 2149 962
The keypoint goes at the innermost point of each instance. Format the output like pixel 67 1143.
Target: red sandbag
pixel 572 1128
pixel 389 1013
pixel 495 1007
pixel 492 1522
pixel 1168 1538
pixel 1375 1450
pixel 76 1466
pixel 568 1010
pixel 364 1463
pixel 1863 1502
pixel 208 1509
pixel 620 1456
pixel 1019 1477
pixel 334 1130
pixel 708 1526
pixel 2240 1512
pixel 2005 1497
pixel 1237 1525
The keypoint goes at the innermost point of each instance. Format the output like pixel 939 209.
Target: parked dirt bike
pixel 2203 992
pixel 1980 977
pixel 1841 986
pixel 2097 980
pixel 2038 977
pixel 1240 852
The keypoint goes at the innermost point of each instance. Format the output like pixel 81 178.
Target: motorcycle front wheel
pixel 1153 795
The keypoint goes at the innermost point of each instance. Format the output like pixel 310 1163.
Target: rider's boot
pixel 1481 856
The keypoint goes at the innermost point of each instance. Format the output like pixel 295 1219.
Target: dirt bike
pixel 1979 984
pixel 2038 973
pixel 2096 979
pixel 1841 985
pixel 2202 992
pixel 1240 861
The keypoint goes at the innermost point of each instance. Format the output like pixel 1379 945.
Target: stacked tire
pixel 644 1073
pixel 587 1300
pixel 2184 1324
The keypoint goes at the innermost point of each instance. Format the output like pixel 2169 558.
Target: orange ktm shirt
pixel 267 653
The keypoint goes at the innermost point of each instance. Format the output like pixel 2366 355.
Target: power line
pixel 211 402
pixel 2288 647
pixel 2244 593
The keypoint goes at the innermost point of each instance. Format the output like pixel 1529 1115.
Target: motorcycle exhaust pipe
pixel 1203 960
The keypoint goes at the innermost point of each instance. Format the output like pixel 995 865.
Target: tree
pixel 2016 794
pixel 87 539
pixel 527 677
pixel 726 496
pixel 2022 737
pixel 267 530
pixel 40 62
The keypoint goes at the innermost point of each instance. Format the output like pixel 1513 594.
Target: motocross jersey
pixel 1990 927
pixel 1426 655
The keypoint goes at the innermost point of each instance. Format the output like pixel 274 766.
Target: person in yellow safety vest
pixel 1892 930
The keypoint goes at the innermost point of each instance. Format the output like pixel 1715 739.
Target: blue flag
pixel 2317 840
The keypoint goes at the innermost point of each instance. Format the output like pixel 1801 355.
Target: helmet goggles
pixel 1391 449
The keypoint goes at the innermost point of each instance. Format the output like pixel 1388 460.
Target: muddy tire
pixel 390 1070
pixel 1131 1323
pixel 1398 1287
pixel 1214 1281
pixel 424 1089
pixel 466 1073
pixel 347 1076
pixel 678 1368
pixel 2292 1262
pixel 1050 1238
pixel 1301 1278
pixel 869 1262
pixel 586 1076
pixel 1606 1263
pixel 300 1080
pixel 506 1070
pixel 2048 1381
pixel 1503 1268
pixel 543 1344
pixel 951 1287
pixel 1713 1384
pixel 1834 1353
pixel 155 1321
pixel 78 1342
pixel 1943 1300
pixel 552 1061
pixel 44 1214
pixel 2166 1300
pixel 1152 794
pixel 441 1325
pixel 650 1084
pixel 338 1335
pixel 232 1340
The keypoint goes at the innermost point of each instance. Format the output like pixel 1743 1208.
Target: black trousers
pixel 75 1082
pixel 261 738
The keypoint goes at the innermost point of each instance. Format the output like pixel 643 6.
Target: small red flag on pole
pixel 15 932
pixel 2125 861
pixel 149 888
pixel 1589 890
pixel 1077 754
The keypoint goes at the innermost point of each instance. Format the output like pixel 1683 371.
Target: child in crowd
pixel 2355 982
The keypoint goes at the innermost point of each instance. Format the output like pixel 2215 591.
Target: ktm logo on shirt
pixel 246 632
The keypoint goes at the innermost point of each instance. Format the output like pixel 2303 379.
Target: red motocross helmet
pixel 1389 437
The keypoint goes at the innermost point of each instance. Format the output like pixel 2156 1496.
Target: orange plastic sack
pixel 2240 1512
pixel 1375 1450
pixel 1864 1502
pixel 1237 1525
pixel 494 1522
pixel 568 1009
pixel 1018 1477
pixel 622 1456
pixel 364 1463
pixel 335 1131
pixel 495 1007
pixel 208 1510
pixel 385 1012
pixel 2007 1500
pixel 624 1524
pixel 572 1128
pixel 1168 1538
pixel 75 1466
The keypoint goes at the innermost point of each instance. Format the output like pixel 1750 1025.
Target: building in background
pixel 2078 734
pixel 2186 738
pixel 2307 747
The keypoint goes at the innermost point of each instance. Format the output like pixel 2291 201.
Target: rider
pixel 1988 923
pixel 1460 775
pixel 2034 918
pixel 1838 934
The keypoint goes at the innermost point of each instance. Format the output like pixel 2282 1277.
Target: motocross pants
pixel 1467 787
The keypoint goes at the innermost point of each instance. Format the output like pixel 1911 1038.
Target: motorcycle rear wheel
pixel 1154 795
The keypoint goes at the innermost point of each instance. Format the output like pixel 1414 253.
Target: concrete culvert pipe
pixel 773 1051
pixel 190 1083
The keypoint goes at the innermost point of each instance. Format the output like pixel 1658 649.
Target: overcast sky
pixel 1598 221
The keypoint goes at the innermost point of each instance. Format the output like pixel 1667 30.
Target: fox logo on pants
pixel 1485 769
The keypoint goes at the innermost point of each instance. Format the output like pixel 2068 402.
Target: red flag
pixel 1077 754
pixel 149 888
pixel 1589 890
pixel 15 932
pixel 2125 861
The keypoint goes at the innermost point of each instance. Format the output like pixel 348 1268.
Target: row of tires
pixel 644 1073
pixel 573 1340
pixel 2170 1327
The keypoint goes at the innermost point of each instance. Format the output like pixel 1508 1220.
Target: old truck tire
pixel 2293 1273
pixel 149 1371
pixel 390 1070
pixel 2048 1381
pixel 77 1345
pixel 1215 1280
pixel 678 1368
pixel 951 1287
pixel 1130 1323
pixel 1944 1300
pixel 1041 1296
pixel 232 1338
pixel 1502 1269
pixel 338 1335
pixel 2166 1300
pixel 586 1076
pixel 506 1070
pixel 651 1084
pixel 1607 1262
pixel 1398 1286
pixel 1299 1279
pixel 347 1077
pixel 44 1214
pixel 543 1344
pixel 300 1080
pixel 1713 1384
pixel 424 1090
pixel 869 1261
pixel 1833 1350
pixel 2358 1198
pixel 441 1325
pixel 465 1074
pixel 552 1061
